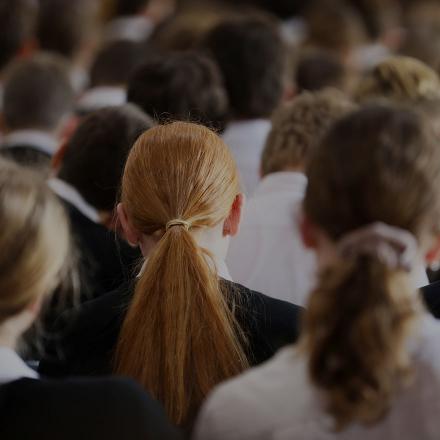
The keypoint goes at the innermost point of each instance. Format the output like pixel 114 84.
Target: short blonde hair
pixel 34 239
pixel 297 126
pixel 399 79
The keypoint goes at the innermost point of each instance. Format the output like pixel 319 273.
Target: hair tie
pixel 396 248
pixel 178 222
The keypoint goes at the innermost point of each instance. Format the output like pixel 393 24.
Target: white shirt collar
pixel 12 367
pixel 132 27
pixel 99 97
pixel 69 194
pixel 37 139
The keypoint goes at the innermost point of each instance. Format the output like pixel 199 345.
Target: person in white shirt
pixel 37 107
pixel 367 365
pixel 268 254
pixel 251 57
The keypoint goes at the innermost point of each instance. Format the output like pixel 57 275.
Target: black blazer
pixel 28 156
pixel 105 261
pixel 431 296
pixel 88 344
pixel 110 409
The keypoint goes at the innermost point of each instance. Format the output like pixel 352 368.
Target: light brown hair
pixel 399 79
pixel 34 239
pixel 298 126
pixel 378 164
pixel 179 337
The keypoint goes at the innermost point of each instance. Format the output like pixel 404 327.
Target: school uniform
pixel 246 140
pixel 105 261
pixel 431 296
pixel 30 148
pixel 88 345
pixel 100 97
pixel 277 401
pixel 268 254
pixel 110 409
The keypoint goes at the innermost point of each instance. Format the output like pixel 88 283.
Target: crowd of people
pixel 220 220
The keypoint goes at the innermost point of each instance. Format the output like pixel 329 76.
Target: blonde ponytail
pixel 179 337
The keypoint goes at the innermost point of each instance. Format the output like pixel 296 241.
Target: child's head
pixel 399 79
pixel 251 57
pixel 180 86
pixel 298 126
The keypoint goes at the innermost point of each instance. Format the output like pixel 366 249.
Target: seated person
pixel 251 58
pixel 34 243
pixel 87 181
pixel 17 20
pixel 268 254
pixel 368 364
pixel 70 29
pixel 109 75
pixel 318 70
pixel 180 86
pixel 182 326
pixel 37 104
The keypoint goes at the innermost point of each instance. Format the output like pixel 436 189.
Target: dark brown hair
pixel 251 57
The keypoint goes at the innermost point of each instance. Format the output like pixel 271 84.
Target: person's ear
pixel 130 234
pixel 432 257
pixel 308 232
pixel 232 223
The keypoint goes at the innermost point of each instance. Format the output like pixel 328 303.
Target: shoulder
pixel 85 338
pixel 241 408
pixel 268 311
pixel 115 406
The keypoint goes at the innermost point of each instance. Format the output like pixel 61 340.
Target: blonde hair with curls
pixel 179 337
pixel 399 79
pixel 34 239
pixel 378 164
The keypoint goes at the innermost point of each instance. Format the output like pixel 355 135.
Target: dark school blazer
pixel 77 409
pixel 87 345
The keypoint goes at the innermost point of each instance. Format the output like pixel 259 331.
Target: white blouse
pixel 277 402
pixel 268 254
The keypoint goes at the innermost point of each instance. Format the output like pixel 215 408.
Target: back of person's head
pixel 130 7
pixel 185 30
pixel 34 240
pixel 251 57
pixel 180 86
pixel 114 63
pixel 373 192
pixel 65 26
pixel 37 93
pixel 179 337
pixel 334 25
pixel 298 126
pixel 17 18
pixel 399 79
pixel 95 155
pixel 318 70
